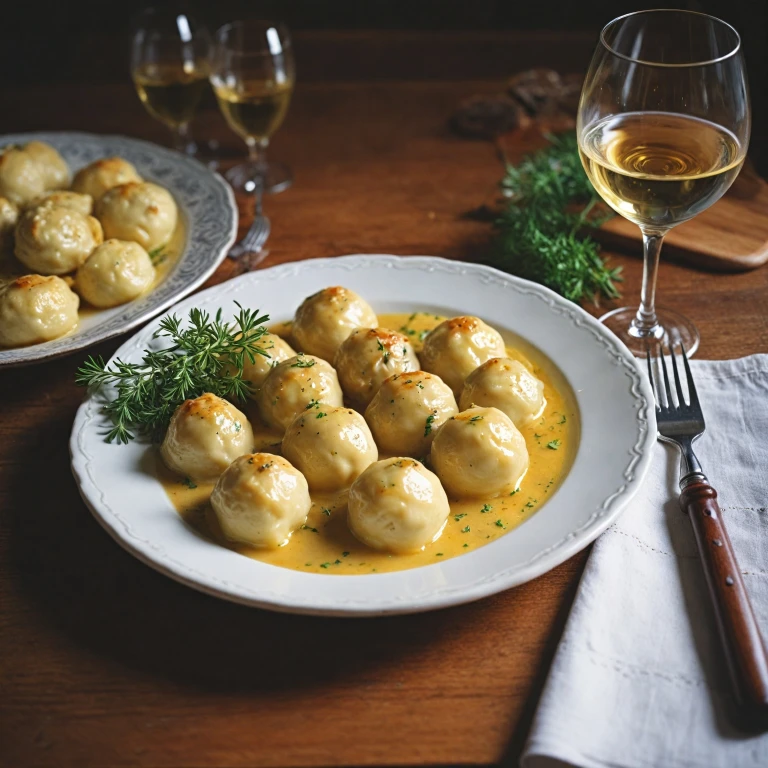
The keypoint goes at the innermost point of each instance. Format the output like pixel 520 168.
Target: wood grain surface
pixel 104 662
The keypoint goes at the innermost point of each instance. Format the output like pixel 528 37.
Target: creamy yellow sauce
pixel 325 545
pixel 11 268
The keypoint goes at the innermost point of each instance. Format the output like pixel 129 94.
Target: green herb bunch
pixel 541 230
pixel 205 356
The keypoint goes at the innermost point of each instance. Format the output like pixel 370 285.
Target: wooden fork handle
pixel 744 647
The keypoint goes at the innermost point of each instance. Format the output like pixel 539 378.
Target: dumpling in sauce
pixel 457 346
pixel 260 499
pixel 397 505
pixel 53 241
pixel 507 385
pixel 34 309
pixel 330 446
pixel 325 319
pixel 100 176
pixel 53 166
pixel 116 272
pixel 9 215
pixel 145 213
pixel 294 384
pixel 204 437
pixel 479 453
pixel 407 410
pixel 367 357
pixel 277 350
pixel 21 178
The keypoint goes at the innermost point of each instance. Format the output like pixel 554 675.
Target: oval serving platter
pixel 206 203
pixel 618 432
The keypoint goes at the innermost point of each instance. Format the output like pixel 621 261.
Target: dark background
pixel 87 40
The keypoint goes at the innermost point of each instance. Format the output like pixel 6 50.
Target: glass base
pixel 248 177
pixel 672 327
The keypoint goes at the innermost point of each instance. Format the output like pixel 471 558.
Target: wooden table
pixel 104 662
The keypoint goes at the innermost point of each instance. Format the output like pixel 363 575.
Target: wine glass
pixel 663 128
pixel 252 74
pixel 169 66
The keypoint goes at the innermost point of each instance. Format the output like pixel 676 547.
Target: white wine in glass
pixel 253 75
pixel 659 169
pixel 171 93
pixel 169 67
pixel 663 128
pixel 256 110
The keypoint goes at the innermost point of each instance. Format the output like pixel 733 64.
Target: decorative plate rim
pixel 209 237
pixel 599 518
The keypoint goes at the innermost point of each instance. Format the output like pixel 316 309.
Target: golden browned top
pixel 27 282
pixel 466 323
pixel 202 405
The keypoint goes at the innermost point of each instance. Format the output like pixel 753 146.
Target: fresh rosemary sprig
pixel 205 356
pixel 541 230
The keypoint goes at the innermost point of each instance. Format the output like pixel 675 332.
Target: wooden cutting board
pixel 732 235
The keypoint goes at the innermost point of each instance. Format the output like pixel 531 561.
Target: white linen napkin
pixel 639 679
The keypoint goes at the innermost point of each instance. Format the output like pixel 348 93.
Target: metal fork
pixel 255 237
pixel 681 423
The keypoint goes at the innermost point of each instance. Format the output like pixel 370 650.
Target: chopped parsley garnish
pixel 238 426
pixel 553 445
pixel 459 516
pixel 428 424
pixel 438 554
pixel 465 529
pixel 321 415
pixel 156 255
pixel 306 527
pixel 186 481
pixel 512 493
pixel 423 335
pixel 486 508
pixel 563 420
pixel 383 349
pixel 475 419
pixel 325 565
pixel 500 524
pixel 302 363
pixel 345 554
pixel 312 404
pixel 326 511
pixel 466 545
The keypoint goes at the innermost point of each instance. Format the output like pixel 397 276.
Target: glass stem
pixel 257 151
pixel 646 324
pixel 181 139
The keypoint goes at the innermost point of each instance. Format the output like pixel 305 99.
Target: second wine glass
pixel 252 74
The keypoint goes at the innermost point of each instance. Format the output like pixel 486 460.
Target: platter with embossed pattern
pixel 610 433
pixel 207 226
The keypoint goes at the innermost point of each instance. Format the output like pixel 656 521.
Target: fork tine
pixel 667 389
pixel 693 398
pixel 651 378
pixel 678 386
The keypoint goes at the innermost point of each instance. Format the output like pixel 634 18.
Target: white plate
pixel 618 431
pixel 206 202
